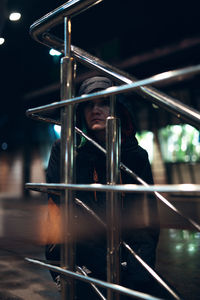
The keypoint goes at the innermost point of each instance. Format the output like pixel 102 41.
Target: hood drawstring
pixel 96 180
pixel 122 193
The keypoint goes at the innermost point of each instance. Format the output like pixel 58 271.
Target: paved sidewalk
pixel 22 280
pixel 19 279
pixel 178 255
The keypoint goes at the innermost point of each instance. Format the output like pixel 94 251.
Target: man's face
pixel 96 113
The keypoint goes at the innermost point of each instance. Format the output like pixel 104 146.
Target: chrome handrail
pixel 126 188
pixel 176 107
pixel 104 284
pixel 190 114
pixel 40 32
pixel 50 20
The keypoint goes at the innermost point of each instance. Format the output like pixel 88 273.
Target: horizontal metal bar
pixel 126 188
pixel 55 17
pixel 111 286
pixel 127 88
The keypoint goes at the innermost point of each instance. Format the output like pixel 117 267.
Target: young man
pixel 139 217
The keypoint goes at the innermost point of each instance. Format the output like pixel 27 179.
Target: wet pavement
pixel 21 280
pixel 178 256
pixel 178 261
pixel 18 239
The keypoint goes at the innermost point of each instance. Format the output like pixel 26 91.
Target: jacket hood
pixel 123 108
pixel 93 84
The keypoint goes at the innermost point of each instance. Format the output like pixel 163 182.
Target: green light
pixel 145 139
pixel 179 247
pixel 191 248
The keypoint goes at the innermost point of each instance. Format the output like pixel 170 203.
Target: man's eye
pixel 104 103
pixel 101 103
pixel 89 105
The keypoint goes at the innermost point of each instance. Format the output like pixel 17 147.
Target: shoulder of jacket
pixel 137 151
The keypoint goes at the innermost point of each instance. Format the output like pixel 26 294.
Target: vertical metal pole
pixel 112 200
pixel 67 165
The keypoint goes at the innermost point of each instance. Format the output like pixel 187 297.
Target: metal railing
pixel 40 31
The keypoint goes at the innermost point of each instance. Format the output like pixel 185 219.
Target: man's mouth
pixel 96 120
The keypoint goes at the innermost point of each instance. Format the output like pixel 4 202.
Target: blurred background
pixel 142 38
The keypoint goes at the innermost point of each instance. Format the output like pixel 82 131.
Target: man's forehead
pixel 104 101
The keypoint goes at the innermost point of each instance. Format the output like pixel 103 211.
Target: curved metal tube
pixel 169 103
pixel 114 287
pixel 55 17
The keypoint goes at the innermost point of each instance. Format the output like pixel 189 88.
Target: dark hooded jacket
pixel 139 217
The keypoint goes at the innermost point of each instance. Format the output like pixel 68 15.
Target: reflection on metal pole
pixel 115 287
pixel 67 164
pixel 112 200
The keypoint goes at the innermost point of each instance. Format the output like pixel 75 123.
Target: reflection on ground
pixel 178 261
pixel 178 255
